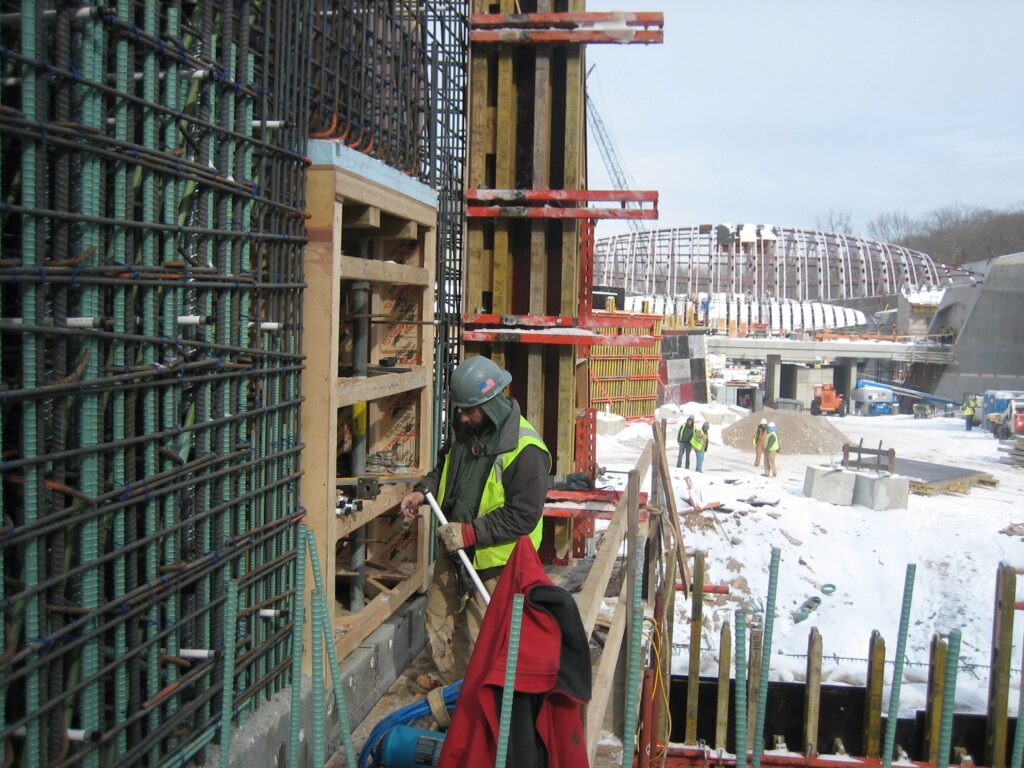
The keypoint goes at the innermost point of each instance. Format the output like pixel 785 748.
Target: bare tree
pixel 892 227
pixel 835 221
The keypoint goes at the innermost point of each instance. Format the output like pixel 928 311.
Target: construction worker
pixel 683 438
pixel 699 441
pixel 969 409
pixel 760 438
pixel 771 450
pixel 491 481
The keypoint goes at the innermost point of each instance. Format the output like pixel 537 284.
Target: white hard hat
pixel 764 421
pixel 771 423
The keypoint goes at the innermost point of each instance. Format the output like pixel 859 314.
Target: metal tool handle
pixel 461 552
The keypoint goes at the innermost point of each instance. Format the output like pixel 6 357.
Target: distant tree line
pixel 955 234
pixel 951 235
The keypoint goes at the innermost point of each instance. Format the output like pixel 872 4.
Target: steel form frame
pixel 544 28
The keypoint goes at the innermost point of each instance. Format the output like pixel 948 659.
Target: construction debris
pixel 1013 451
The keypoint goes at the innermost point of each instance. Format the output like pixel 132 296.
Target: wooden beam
pixel 672 510
pixel 354 268
pixel 355 628
pixel 352 189
pixel 361 216
pixel 597 580
pixel 350 391
pixel 393 228
pixel 604 679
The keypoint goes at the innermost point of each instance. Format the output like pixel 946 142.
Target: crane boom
pixel 620 177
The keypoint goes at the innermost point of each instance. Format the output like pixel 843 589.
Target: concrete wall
pixel 989 349
pixel 807 379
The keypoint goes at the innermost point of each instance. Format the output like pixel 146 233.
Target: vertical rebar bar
pixel 298 632
pixel 317 650
pixel 897 672
pixel 227 691
pixel 508 691
pixel 740 706
pixel 766 653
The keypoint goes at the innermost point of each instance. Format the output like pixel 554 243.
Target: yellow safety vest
pixel 773 442
pixel 493 497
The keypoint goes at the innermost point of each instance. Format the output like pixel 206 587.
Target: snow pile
pixel 798 431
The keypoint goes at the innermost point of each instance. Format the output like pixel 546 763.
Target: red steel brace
pixel 596 27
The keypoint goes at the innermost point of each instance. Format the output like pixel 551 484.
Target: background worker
pixel 760 438
pixel 969 409
pixel 699 441
pixel 771 451
pixel 683 438
pixel 490 481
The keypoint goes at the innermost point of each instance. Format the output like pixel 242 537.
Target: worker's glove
pixel 456 536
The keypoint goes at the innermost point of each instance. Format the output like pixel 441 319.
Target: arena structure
pixel 761 261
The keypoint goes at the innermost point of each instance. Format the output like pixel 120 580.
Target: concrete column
pixel 846 375
pixel 772 376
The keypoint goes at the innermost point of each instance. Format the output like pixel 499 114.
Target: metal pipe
pixel 473 575
pixel 766 653
pixel 897 672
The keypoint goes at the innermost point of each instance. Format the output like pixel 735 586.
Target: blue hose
pixel 405 716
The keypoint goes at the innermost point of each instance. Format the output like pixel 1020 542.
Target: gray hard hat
pixel 476 381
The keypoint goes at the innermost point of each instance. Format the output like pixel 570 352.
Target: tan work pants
pixel 769 463
pixel 758 453
pixel 453 619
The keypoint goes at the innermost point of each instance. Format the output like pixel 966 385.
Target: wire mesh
pixel 153 181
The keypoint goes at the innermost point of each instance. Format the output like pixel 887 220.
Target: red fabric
pixel 472 738
pixel 468 534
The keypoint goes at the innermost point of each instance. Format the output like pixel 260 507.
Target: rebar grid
pixel 153 181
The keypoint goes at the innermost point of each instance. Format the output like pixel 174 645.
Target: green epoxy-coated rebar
pixel 339 690
pixel 766 653
pixel 633 669
pixel 949 704
pixel 120 478
pixel 227 690
pixel 508 692
pixel 897 672
pixel 317 648
pixel 741 690
pixel 29 361
pixel 89 482
pixel 298 621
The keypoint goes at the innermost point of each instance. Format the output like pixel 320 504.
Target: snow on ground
pixel 955 542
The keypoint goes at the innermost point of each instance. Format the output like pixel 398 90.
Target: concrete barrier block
pixel 881 491
pixel 669 412
pixel 834 486
pixel 610 423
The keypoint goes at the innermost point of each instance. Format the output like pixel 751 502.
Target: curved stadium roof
pixel 761 260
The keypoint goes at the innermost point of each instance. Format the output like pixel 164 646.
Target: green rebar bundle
pixel 152 164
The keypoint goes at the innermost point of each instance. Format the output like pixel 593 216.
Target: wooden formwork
pixel 527 132
pixel 361 231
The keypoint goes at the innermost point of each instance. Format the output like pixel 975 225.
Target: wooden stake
pixel 724 678
pixel 696 625
pixel 873 699
pixel 812 693
pixel 933 707
pixel 999 671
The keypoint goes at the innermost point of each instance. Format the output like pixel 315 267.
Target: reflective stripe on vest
pixel 493 497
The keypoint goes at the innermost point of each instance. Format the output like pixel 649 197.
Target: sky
pixel 780 111
pixel 862 552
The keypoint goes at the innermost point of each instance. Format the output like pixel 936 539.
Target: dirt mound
pixel 799 432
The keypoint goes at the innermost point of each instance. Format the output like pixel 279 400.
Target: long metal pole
pixel 949 701
pixel 461 553
pixel 508 692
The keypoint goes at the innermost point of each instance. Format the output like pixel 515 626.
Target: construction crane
pixel 620 176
